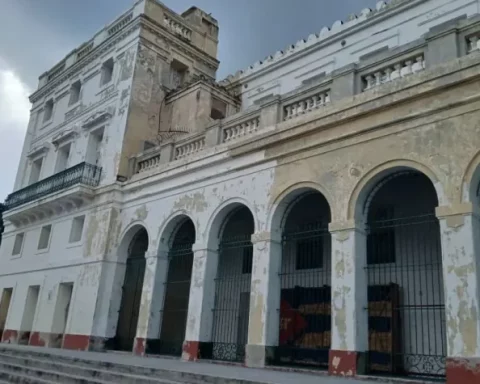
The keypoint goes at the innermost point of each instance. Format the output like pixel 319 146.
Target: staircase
pixel 31 366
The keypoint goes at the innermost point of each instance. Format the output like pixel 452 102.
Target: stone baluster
pixel 407 69
pixel 396 72
pixel 378 78
pixel 388 74
pixel 418 65
pixel 473 43
pixel 369 80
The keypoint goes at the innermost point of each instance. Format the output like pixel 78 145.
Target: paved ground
pixel 266 376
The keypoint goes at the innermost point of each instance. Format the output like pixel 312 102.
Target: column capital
pixel 271 237
pixel 457 209
pixel 346 226
pixel 199 247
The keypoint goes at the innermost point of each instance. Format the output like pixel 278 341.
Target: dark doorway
pixel 131 292
pixel 405 282
pixel 232 287
pixel 177 291
pixel 305 315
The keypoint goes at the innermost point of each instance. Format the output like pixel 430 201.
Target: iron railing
pixel 232 298
pixel 82 173
pixel 305 316
pixel 177 293
pixel 405 297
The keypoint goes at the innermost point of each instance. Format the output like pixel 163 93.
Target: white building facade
pixel 319 209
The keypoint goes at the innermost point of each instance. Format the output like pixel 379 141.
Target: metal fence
pixel 305 314
pixel 232 298
pixel 406 306
pixel 177 293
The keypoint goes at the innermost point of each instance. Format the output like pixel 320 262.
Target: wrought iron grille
pixel 177 294
pixel 130 304
pixel 305 315
pixel 82 173
pixel 232 299
pixel 405 296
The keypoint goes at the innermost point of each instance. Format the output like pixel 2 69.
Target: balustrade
pixel 240 130
pixel 149 163
pixel 189 148
pixel 83 173
pixel 177 28
pixel 393 72
pixel 306 105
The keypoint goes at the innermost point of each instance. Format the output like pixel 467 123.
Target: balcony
pixel 65 189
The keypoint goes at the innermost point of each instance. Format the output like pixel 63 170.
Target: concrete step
pixel 45 374
pixel 10 377
pixel 164 375
pixel 80 371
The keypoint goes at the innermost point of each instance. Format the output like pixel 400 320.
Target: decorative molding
pixel 88 59
pixel 99 117
pixel 39 150
pixel 65 136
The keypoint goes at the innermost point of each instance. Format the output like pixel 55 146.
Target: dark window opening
pixel 309 253
pixel 247 261
pixel 381 239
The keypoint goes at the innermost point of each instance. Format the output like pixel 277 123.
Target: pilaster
pixel 201 303
pixel 349 300
pixel 460 238
pixel 263 328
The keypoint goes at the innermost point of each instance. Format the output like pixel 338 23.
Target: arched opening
pixel 131 291
pixel 232 286
pixel 305 315
pixel 406 310
pixel 177 290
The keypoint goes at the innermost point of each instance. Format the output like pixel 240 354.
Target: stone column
pixel 264 317
pixel 460 237
pixel 349 300
pixel 198 335
pixel 151 305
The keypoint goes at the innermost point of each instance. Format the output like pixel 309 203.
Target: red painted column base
pixel 463 370
pixel 10 336
pixel 191 350
pixel 53 340
pixel 139 346
pixel 346 363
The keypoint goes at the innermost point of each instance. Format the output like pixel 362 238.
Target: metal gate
pixel 130 304
pixel 405 294
pixel 232 298
pixel 177 293
pixel 305 318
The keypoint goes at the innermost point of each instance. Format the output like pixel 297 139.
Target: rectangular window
pixel 309 253
pixel 247 260
pixel 178 73
pixel 219 109
pixel 107 72
pixel 75 92
pixel 18 244
pixel 35 170
pixel 381 238
pixel 48 111
pixel 77 229
pixel 63 155
pixel 94 147
pixel 44 239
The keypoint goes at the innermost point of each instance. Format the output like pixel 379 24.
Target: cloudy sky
pixel 35 34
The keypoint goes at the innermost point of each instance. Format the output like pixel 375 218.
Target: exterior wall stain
pixel 192 203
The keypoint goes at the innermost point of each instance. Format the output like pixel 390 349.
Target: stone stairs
pixel 35 367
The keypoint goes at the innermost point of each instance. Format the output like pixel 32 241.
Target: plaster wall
pixel 308 59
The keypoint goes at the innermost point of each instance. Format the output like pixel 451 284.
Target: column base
pixel 259 356
pixel 196 350
pixel 46 339
pixel 463 370
pixel 346 363
pixel 10 336
pixel 65 341
pixel 139 346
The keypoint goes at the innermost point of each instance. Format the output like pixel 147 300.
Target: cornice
pixel 94 54
pixel 187 48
